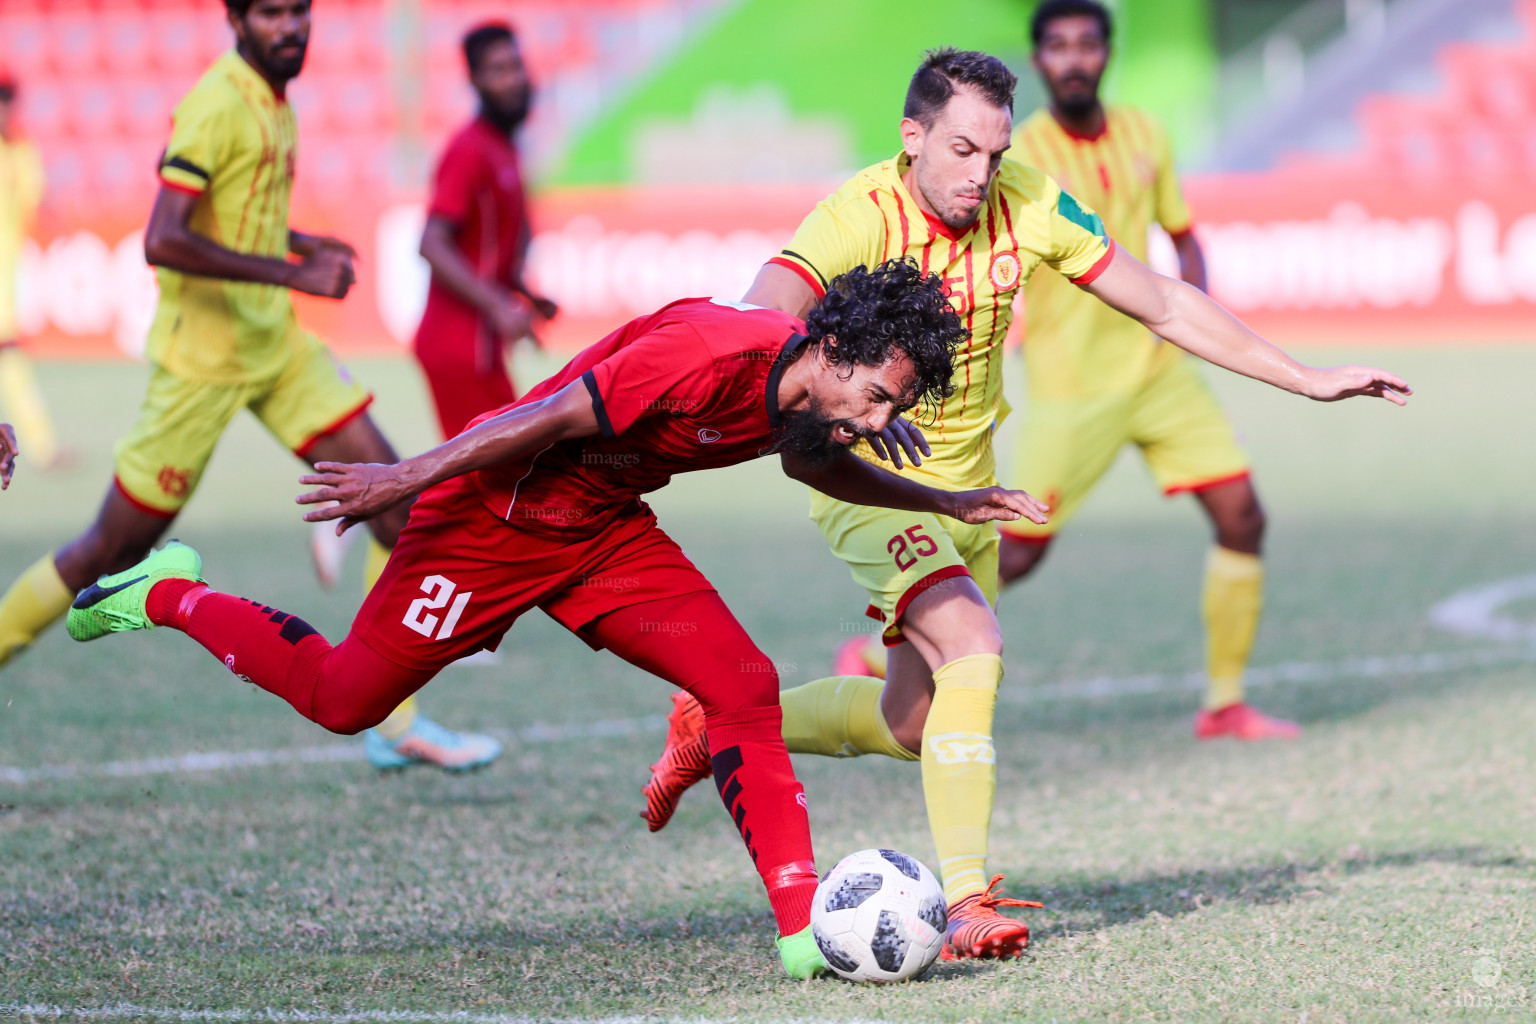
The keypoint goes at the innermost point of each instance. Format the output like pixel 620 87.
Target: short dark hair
pixel 481 38
pixel 872 314
pixel 1053 10
pixel 239 8
pixel 942 70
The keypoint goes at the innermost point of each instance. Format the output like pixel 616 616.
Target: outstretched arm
pixel 1197 323
pixel 849 478
pixel 170 242
pixel 8 452
pixel 363 490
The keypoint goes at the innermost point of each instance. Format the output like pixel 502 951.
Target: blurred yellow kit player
pixel 21 192
pixel 1098 380
pixel 225 338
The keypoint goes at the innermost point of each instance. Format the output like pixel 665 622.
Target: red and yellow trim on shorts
pixel 303 450
pixel 892 636
pixel 147 509
pixel 1207 484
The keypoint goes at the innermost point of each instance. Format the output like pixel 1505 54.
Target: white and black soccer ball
pixel 878 916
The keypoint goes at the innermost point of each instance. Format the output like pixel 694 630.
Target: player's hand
pixel 327 272
pixel 1340 382
pixel 332 242
pixel 360 490
pixel 900 435
pixel 510 320
pixel 8 453
pixel 545 307
pixel 988 503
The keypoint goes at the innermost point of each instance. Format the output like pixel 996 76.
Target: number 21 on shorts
pixel 439 591
pixel 922 546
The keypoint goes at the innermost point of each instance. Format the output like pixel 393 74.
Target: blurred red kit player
pixel 475 240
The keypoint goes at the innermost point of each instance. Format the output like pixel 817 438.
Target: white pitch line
pixel 131 1011
pixel 1295 673
pixel 227 760
pixel 1298 673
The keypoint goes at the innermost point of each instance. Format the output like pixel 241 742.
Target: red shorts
pixel 465 370
pixel 459 577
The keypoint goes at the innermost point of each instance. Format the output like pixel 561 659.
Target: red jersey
pixel 692 386
pixel 479 188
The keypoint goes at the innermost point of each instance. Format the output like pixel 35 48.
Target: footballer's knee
pixel 348 721
pixel 1018 557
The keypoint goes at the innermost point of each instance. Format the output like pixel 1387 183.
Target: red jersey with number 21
pixel 692 386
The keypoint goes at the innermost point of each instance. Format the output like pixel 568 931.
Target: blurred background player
pixel 476 239
pixel 21 191
pixel 1098 380
pixel 225 338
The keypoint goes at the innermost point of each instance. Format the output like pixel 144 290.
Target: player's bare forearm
pixel 303 244
pixel 451 270
pixel 169 242
pixel 364 490
pixel 1200 325
pixel 849 478
pixel 1191 260
pixel 780 288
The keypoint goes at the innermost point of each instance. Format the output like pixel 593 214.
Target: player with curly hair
pixel 952 201
pixel 539 504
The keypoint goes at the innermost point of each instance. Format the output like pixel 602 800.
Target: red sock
pixel 759 790
pixel 346 688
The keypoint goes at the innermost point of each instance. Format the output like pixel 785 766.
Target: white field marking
pixel 1296 673
pixel 218 761
pixel 131 1011
pixel 1474 611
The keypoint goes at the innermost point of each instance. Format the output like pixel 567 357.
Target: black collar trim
pixel 771 391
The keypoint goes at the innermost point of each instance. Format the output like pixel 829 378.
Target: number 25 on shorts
pixel 922 544
pixel 439 591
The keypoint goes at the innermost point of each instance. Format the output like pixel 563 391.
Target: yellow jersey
pixel 1027 220
pixel 21 191
pixel 1076 346
pixel 233 145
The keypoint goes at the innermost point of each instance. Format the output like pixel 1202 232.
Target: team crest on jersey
pixel 708 436
pixel 1005 271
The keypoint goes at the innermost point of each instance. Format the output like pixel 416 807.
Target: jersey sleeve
pixel 200 143
pixel 456 182
pixel 668 370
pixel 834 238
pixel 1080 249
pixel 1171 210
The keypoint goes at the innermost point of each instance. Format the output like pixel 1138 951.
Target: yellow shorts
pixel 1065 446
pixel 897 555
pixel 162 458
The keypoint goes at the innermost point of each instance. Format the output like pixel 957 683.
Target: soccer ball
pixel 878 916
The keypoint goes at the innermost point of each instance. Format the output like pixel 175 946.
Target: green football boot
pixel 115 603
pixel 800 955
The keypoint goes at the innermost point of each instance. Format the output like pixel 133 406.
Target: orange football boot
pixel 684 762
pixel 976 930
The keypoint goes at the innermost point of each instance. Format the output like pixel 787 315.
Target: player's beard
pixel 508 117
pixel 954 219
pixel 809 433
pixel 288 66
pixel 1079 103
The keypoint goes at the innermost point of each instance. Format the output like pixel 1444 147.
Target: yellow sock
pixel 400 720
pixel 23 401
pixel 403 717
pixel 839 717
pixel 35 601
pixel 374 563
pixel 1231 605
pixel 960 769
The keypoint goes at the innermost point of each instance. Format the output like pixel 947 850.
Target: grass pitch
pixel 1381 868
